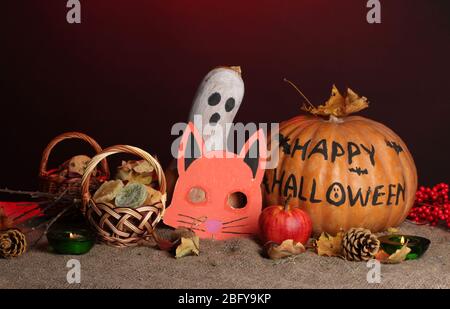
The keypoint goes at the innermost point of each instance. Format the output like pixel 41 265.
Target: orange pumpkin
pixel 344 171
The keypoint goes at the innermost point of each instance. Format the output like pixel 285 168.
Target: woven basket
pixel 123 226
pixel 52 182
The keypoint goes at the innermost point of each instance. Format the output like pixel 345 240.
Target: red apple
pixel 278 223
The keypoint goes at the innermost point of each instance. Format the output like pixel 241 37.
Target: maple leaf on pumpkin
pixel 338 105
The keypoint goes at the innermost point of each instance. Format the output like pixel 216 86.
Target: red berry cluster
pixel 431 205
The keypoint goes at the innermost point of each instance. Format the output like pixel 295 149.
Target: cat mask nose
pixel 213 226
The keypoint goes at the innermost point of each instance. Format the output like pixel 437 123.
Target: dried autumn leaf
pixel 285 249
pixel 188 246
pixel 354 103
pixel 154 196
pixel 136 171
pixel 381 255
pixel 174 240
pixel 392 230
pixel 5 222
pixel 126 166
pixel 165 244
pixel 338 105
pixel 329 245
pixel 398 256
pixel 334 105
pixel 108 191
pixel 142 166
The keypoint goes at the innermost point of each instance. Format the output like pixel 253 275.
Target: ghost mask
pixel 216 103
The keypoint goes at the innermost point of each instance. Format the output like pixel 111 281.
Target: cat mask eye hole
pixel 237 200
pixel 197 195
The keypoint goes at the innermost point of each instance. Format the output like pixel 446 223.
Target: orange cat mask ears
pixel 192 147
pixel 254 153
pixel 189 149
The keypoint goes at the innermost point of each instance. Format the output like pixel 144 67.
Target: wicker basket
pixel 123 226
pixel 52 182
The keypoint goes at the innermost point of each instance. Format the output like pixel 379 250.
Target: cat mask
pixel 218 194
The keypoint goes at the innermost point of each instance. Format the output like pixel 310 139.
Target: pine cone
pixel 12 243
pixel 359 244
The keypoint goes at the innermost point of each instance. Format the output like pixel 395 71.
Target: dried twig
pixel 33 194
pixel 51 200
pixel 49 224
pixel 39 194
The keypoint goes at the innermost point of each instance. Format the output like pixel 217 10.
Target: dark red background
pixel 131 68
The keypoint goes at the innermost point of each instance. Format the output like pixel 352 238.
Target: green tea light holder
pixel 417 244
pixel 71 241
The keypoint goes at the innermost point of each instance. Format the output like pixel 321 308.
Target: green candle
pixel 69 240
pixel 417 244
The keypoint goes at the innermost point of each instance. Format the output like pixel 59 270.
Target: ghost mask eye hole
pixel 237 200
pixel 196 195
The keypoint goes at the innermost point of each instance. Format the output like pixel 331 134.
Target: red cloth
pixel 14 209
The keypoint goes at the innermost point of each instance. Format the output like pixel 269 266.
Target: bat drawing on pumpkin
pixel 394 146
pixel 359 171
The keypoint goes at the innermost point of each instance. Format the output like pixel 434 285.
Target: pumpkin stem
pixel 301 93
pixel 335 119
pixel 286 203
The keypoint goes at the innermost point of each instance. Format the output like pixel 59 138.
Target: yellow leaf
pixel 108 191
pixel 392 230
pixel 188 246
pixel 398 256
pixel 287 248
pixel 354 103
pixel 338 105
pixel 330 245
pixel 153 197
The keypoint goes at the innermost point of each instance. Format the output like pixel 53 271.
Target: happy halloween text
pixel 336 193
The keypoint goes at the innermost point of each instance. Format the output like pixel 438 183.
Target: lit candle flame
pixel 402 240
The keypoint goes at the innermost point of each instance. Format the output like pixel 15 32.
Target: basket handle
pixel 86 195
pixel 69 135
